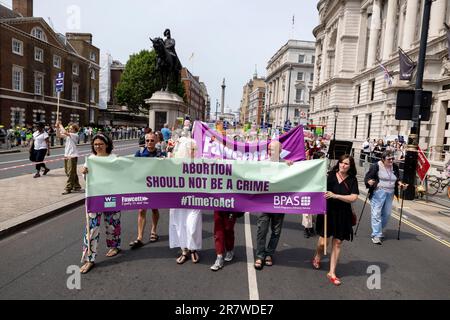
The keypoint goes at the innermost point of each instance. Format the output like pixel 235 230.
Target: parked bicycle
pixel 437 184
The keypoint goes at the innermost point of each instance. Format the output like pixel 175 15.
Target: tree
pixel 139 81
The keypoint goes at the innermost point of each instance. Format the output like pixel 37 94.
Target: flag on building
pixel 407 66
pixel 448 39
pixel 191 57
pixel 387 75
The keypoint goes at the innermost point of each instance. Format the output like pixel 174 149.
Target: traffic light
pixel 405 104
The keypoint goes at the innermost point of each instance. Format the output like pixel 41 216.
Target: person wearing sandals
pixel 150 151
pixel 70 156
pixel 265 253
pixel 185 225
pixel 342 191
pixel 102 146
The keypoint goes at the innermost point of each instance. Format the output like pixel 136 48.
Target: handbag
pixel 32 152
pixel 354 216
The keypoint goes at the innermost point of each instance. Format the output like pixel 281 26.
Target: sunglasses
pixel 150 140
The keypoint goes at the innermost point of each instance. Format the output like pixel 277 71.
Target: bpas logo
pixel 292 201
pixel 110 202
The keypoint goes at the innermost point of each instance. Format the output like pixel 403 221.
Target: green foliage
pixel 139 81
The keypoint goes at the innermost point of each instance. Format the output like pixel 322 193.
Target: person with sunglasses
pixel 150 151
pixel 102 146
pixel 383 182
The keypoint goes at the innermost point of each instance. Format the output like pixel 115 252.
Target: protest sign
pixel 127 183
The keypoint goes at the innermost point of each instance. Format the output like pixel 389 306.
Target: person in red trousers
pixel 224 222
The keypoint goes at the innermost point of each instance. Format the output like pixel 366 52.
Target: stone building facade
pixel 352 39
pixel 290 74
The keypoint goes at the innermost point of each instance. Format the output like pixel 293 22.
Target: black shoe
pixel 46 171
pixel 37 175
pixel 136 244
pixel 66 192
pixel 307 233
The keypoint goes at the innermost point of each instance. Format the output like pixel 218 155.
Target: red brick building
pixel 195 95
pixel 31 55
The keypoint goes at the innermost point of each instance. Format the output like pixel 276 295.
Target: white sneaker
pixel 376 240
pixel 218 264
pixel 229 256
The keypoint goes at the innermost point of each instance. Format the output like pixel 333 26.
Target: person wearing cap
pixel 41 148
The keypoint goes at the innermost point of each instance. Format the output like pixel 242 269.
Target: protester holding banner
pixel 265 253
pixel 70 156
pixel 383 182
pixel 102 146
pixel 150 151
pixel 185 225
pixel 343 190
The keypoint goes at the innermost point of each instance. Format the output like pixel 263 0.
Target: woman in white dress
pixel 185 225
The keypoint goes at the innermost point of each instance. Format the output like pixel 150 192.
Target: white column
pixel 409 27
pixel 338 48
pixel 316 75
pixel 324 57
pixel 390 30
pixel 437 17
pixel 374 32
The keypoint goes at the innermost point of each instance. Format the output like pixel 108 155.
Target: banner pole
pixel 57 108
pixel 325 235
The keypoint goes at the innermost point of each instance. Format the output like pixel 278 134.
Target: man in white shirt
pixel 70 156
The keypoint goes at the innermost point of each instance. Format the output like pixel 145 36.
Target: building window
pixel 313 59
pixel 39 33
pixel 356 127
pixel 75 92
pixel 93 75
pixel 39 84
pixel 372 89
pixel 17 47
pixel 358 94
pixel 93 56
pixel 17 79
pixel 75 69
pixel 301 58
pixel 38 54
pixel 57 61
pixel 300 76
pixel 369 120
pixel 93 95
pixel 299 95
pixel 297 113
pixel 311 77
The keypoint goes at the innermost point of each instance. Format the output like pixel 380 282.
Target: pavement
pixel 28 201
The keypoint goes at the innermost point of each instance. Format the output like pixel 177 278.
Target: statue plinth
pixel 165 107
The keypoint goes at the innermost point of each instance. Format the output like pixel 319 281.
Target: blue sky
pixel 227 37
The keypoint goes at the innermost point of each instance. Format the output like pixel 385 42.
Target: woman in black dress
pixel 342 189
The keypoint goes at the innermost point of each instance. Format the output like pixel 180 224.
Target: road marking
pixel 56 160
pixel 416 227
pixel 252 282
pixel 425 232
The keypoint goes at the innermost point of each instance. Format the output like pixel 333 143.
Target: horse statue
pixel 168 65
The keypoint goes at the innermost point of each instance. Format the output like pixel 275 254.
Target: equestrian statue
pixel 168 65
